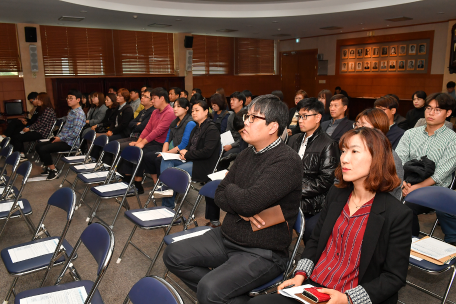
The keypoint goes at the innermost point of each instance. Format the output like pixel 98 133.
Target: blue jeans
pixel 165 164
pixel 448 225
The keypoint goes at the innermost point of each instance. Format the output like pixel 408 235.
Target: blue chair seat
pixel 27 208
pixel 34 263
pixel 170 237
pixel 268 284
pixel 73 161
pixel 110 194
pixel 39 291
pixel 153 223
pixel 431 266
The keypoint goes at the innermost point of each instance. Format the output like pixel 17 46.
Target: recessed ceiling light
pixel 159 25
pixel 226 30
pixel 399 19
pixel 135 17
pixel 275 21
pixel 178 19
pixel 331 28
pixel 70 18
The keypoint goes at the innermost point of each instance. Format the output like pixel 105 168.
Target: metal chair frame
pixel 33 143
pixel 170 288
pixel 5 152
pixel 59 124
pixel 124 201
pixel 59 250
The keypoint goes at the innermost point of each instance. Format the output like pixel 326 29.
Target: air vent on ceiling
pixel 71 18
pixel 159 25
pixel 281 35
pixel 399 19
pixel 226 30
pixel 330 28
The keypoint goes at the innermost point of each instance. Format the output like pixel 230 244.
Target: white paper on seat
pixel 218 175
pixel 37 179
pixel 44 140
pixel 155 214
pixel 226 138
pixel 433 248
pixel 31 251
pixel 76 295
pixel 86 166
pixel 75 157
pixel 169 156
pixel 189 235
pixel 96 174
pixel 112 187
pixel 290 292
pixel 7 206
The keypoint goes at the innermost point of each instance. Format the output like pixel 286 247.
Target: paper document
pixel 86 166
pixel 169 156
pixel 5 207
pixel 31 251
pixel 81 157
pixel 433 248
pixel 37 179
pixel 112 187
pixel 189 235
pixel 44 140
pixel 155 214
pixel 290 292
pixel 218 175
pixel 226 138
pixel 76 295
pixel 96 174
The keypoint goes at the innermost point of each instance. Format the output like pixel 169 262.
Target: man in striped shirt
pixel 438 143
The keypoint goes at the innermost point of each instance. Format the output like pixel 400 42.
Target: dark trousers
pixel 14 127
pixel 17 141
pixel 151 163
pixel 234 272
pixel 311 222
pixel 212 210
pixel 44 150
pixel 115 137
pixel 149 155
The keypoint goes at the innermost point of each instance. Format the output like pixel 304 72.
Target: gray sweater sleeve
pixel 98 115
pixel 234 133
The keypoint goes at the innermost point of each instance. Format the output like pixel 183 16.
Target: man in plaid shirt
pixel 68 136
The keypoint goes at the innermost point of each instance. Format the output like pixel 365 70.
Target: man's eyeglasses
pixel 304 117
pixel 251 117
pixel 429 109
pixel 145 96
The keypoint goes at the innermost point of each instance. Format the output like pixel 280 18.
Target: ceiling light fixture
pixel 135 17
pixel 226 30
pixel 178 19
pixel 275 21
pixel 399 19
pixel 70 18
pixel 160 25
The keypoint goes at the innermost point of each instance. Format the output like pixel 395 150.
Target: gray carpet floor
pixel 121 277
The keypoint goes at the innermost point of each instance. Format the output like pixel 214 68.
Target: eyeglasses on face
pixel 429 109
pixel 304 117
pixel 251 117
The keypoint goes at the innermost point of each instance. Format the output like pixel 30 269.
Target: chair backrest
pixel 5 142
pixel 13 159
pixel 99 240
pixel 176 179
pixel 50 134
pixel 90 135
pixel 219 158
pixel 112 148
pixel 452 186
pixel 59 124
pixel 65 199
pixel 154 290
pixel 132 154
pixel 438 198
pixel 299 224
pixel 101 141
pixel 6 151
pixel 210 188
pixel 299 228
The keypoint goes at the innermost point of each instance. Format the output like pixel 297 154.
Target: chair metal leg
pixel 75 182
pixel 126 244
pixel 124 200
pixel 10 291
pixel 93 211
pixel 84 193
pixel 156 256
pixel 66 175
pixel 449 285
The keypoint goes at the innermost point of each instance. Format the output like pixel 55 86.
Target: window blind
pixel 212 55
pixel 9 51
pixel 254 56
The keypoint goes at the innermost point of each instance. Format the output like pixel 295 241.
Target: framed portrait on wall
pixel 402 50
pixel 367 66
pixel 420 64
pixel 367 52
pixel 345 54
pixel 412 49
pixel 375 52
pixel 393 50
pixel 401 65
pixel 359 53
pixel 392 65
pixel 384 51
pixel 352 53
pixel 374 66
pixel 384 66
pixel 351 66
pixel 411 65
pixel 422 49
pixel 359 66
pixel 344 67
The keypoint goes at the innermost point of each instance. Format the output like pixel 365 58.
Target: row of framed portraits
pixel 384 51
pixel 384 65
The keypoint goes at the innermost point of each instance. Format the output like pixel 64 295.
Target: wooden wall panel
pixel 257 84
pixel 11 88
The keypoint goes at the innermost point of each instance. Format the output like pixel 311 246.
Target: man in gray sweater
pixel 237 102
pixel 265 175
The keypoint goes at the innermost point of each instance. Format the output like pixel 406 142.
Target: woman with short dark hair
pixel 219 112
pixel 360 248
pixel 413 115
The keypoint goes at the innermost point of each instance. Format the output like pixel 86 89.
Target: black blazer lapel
pixel 340 129
pixel 373 229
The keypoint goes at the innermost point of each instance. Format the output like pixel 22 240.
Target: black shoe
pixel 53 174
pixel 45 172
pixel 139 188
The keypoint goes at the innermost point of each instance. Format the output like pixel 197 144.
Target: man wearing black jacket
pixel 119 128
pixel 338 124
pixel 320 157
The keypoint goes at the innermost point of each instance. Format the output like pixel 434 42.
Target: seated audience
pixel 40 128
pixel 135 99
pixel 325 97
pixel 119 128
pixel 137 125
pixel 422 122
pixel 219 112
pixel 68 136
pixel 320 156
pixel 225 263
pixel 450 89
pixel 413 115
pixel 195 98
pixel 184 94
pixel 85 103
pixel 199 157
pixel 389 105
pixel 96 113
pixel 112 90
pixel 278 94
pixel 293 124
pixel 362 216
pixel 196 90
pixel 152 138
pixel 438 143
pixel 15 126
pixel 174 94
pixel 220 91
pixel 248 97
pixel 376 118
pixel 338 90
pixel 110 114
pixel 339 124
pixel 237 101
pixel 140 107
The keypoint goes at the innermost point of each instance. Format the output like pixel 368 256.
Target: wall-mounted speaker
pixel 33 57
pixel 189 60
pixel 30 34
pixel 319 56
pixel 188 42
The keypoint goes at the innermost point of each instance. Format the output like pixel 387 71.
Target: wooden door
pixel 289 71
pixel 307 70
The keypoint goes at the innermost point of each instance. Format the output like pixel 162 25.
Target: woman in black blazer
pixel 360 247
